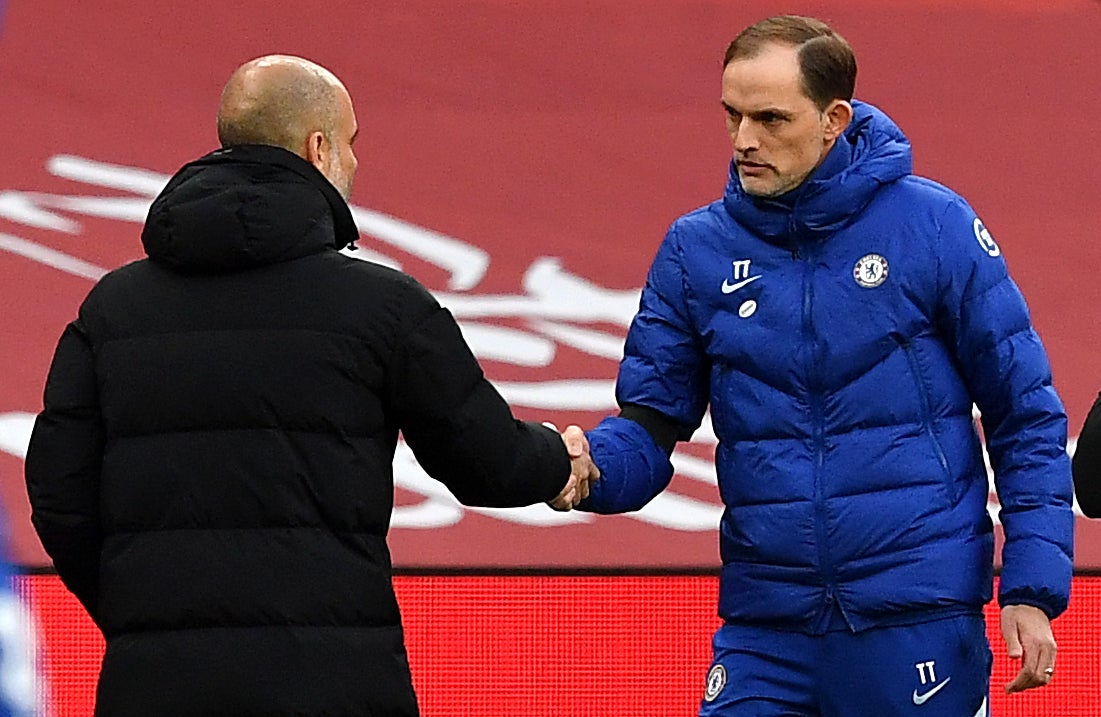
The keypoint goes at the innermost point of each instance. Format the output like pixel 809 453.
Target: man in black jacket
pixel 1087 463
pixel 211 473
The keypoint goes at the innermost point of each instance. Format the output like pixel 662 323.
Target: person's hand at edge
pixel 1028 638
pixel 582 470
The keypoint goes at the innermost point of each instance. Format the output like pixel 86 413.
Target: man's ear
pixel 839 114
pixel 317 150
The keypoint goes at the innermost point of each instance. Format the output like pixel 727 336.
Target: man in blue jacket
pixel 19 680
pixel 841 317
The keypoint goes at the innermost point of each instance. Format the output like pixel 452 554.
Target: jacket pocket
pixel 926 407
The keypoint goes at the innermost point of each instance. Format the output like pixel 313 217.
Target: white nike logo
pixel 920 699
pixel 729 288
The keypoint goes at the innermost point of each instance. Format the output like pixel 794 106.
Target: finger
pixel 571 485
pixel 1039 647
pixel 565 501
pixel 560 501
pixel 1030 677
pixel 1024 681
pixel 1014 651
pixel 1012 639
pixel 1030 659
pixel 1036 663
pixel 583 488
pixel 1020 683
pixel 1045 662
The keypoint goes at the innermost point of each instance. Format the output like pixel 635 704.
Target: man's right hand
pixel 582 470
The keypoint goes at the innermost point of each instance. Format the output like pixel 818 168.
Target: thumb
pixel 574 439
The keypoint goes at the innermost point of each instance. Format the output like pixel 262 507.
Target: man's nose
pixel 744 136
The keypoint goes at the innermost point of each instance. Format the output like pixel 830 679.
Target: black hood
pixel 245 206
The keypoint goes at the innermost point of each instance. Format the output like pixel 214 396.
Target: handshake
pixel 582 470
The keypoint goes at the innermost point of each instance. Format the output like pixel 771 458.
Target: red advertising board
pixel 523 160
pixel 584 646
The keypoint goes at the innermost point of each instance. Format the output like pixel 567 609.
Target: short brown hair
pixel 826 60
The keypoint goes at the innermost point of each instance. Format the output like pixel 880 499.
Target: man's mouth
pixel 746 167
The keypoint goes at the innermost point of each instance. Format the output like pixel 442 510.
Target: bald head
pixel 278 100
pixel 295 104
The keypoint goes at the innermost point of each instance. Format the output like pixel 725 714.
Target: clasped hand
pixel 582 470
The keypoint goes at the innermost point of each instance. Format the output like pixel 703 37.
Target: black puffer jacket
pixel 212 470
pixel 1087 463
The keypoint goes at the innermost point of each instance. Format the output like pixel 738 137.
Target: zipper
pixel 926 406
pixel 817 413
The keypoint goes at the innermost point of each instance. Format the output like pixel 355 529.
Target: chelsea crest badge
pixel 716 681
pixel 871 271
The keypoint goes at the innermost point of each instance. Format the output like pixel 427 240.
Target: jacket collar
pixel 872 152
pixel 346 233
pixel 245 206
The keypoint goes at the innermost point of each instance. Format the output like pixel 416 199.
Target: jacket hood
pixel 872 152
pixel 245 206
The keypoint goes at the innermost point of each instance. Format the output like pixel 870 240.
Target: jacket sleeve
pixel 664 366
pixel 458 426
pixel 1007 373
pixel 663 369
pixel 1087 463
pixel 633 468
pixel 63 467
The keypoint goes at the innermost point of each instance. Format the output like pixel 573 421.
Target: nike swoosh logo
pixel 729 288
pixel 920 699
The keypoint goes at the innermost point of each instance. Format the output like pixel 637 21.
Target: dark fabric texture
pixel 1087 463
pixel 212 474
pixel 661 428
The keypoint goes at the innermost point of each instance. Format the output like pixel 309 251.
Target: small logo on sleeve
pixel 716 681
pixel 982 234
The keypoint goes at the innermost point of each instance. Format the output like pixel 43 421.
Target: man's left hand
pixel 1028 638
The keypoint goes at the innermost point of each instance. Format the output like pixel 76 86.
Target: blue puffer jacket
pixel 840 334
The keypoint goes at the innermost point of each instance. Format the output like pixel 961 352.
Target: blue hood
pixel 873 151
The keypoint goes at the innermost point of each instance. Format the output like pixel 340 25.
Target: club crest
pixel 871 270
pixel 716 681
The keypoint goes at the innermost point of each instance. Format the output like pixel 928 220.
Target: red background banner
pixel 523 160
pixel 611 646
